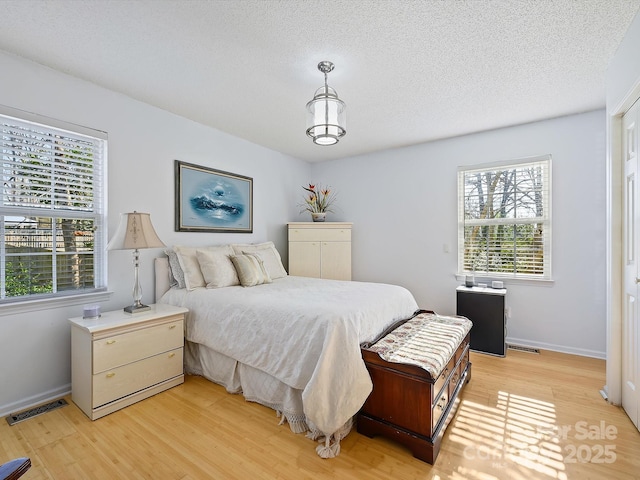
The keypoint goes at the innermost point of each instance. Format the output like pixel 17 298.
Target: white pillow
pixel 269 255
pixel 189 263
pixel 216 267
pixel 251 270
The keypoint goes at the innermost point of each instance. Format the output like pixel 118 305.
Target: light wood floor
pixel 521 417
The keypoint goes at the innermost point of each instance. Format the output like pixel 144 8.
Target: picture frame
pixel 210 200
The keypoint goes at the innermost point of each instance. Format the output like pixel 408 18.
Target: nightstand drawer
pixel 122 381
pixel 114 351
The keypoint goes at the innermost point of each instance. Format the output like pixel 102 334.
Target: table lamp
pixel 135 231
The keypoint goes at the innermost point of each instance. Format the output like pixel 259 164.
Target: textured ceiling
pixel 409 71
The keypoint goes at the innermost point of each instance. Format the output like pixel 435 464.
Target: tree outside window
pixel 504 221
pixel 51 213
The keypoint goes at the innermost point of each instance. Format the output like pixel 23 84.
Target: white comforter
pixel 306 332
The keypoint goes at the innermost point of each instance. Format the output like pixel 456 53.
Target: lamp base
pixel 137 308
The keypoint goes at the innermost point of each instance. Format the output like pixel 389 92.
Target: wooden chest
pixel 409 405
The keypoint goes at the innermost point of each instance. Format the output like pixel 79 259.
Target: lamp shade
pixel 326 117
pixel 135 231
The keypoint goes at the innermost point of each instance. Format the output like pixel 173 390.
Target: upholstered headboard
pixel 161 267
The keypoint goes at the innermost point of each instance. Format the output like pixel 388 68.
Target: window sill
pixel 509 280
pixel 56 302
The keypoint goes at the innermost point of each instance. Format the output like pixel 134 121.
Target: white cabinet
pixel 118 358
pixel 320 249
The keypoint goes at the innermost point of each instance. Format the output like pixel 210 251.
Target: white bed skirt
pixel 255 385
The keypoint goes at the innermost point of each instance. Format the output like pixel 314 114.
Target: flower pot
pixel 318 216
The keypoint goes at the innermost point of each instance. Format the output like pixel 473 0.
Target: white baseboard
pixel 558 348
pixel 35 400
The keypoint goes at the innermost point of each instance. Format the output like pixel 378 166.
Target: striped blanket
pixel 428 341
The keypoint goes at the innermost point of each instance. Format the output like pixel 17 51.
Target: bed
pixel 289 343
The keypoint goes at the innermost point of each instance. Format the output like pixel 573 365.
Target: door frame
pixel 612 391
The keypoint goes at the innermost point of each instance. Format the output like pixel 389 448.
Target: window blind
pixel 52 211
pixel 504 219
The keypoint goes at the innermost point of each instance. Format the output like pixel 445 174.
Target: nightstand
pixel 120 358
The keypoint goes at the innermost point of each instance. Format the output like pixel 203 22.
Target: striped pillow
pixel 250 269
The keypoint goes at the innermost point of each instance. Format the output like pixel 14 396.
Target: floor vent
pixel 35 411
pixel 523 349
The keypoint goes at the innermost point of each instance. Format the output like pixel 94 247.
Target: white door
pixel 630 327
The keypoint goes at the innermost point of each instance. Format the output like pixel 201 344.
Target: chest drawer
pixel 115 383
pixel 319 235
pixel 113 351
pixel 439 407
pixel 462 349
pixel 444 375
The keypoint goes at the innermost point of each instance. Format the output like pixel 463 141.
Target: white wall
pixel 143 143
pixel 403 203
pixel 623 89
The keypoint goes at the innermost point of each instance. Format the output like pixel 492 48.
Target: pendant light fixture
pixel 326 115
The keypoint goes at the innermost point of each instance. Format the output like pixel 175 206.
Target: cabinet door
pixel 336 260
pixel 487 314
pixel 304 259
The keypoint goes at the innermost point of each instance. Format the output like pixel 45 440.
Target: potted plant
pixel 318 201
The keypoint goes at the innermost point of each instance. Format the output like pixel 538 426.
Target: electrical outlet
pixel 507 312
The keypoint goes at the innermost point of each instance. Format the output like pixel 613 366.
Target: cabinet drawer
pixel 455 378
pixel 319 235
pixel 439 407
pixel 122 381
pixel 462 348
pixel 111 352
pixel 440 381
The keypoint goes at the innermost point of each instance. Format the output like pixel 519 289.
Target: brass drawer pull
pixel 111 374
pixel 110 342
pixel 171 327
pixel 172 354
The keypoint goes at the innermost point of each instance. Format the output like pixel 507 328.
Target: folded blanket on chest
pixel 428 341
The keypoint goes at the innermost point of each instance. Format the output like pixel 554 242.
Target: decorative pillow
pixel 189 263
pixel 216 267
pixel 269 254
pixel 251 270
pixel 176 277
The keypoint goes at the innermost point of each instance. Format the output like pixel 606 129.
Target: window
pixel 52 211
pixel 504 219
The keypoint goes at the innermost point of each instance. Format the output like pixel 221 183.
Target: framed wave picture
pixel 209 200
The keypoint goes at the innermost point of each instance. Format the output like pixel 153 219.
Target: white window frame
pixel 96 212
pixel 484 269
